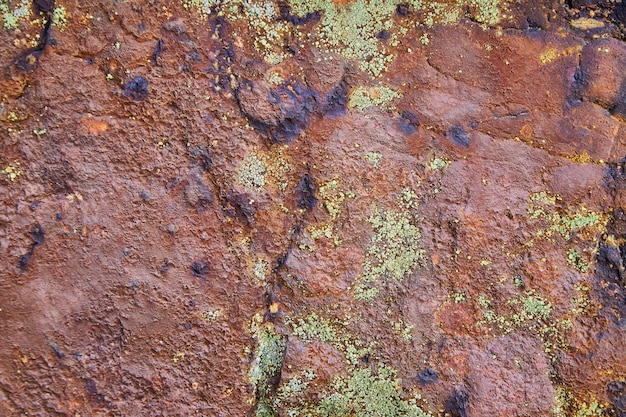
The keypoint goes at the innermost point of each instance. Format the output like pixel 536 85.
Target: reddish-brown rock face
pixel 324 208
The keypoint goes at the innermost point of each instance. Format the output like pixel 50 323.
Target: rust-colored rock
pixel 283 208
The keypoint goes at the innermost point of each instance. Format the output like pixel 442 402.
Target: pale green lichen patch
pixel 580 220
pixel 530 312
pixel 267 365
pixel 210 316
pixel 12 171
pixel 362 98
pixel 333 196
pixel 394 248
pixel 349 29
pixel 403 329
pixel 365 393
pixel 373 158
pixel 361 391
pixel 566 405
pixel 252 172
pixel 268 31
pixel 260 269
pixel 577 261
pixel 13 13
pixel 263 169
pixel 59 17
pixel 438 163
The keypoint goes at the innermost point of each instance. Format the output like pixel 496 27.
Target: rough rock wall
pixel 312 208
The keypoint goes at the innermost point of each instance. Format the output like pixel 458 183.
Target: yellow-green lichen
pixel 566 405
pixel 365 393
pixel 349 29
pixel 178 356
pixel 577 261
pixel 12 171
pixel 262 168
pixel 530 312
pixel 438 163
pixel 211 315
pixel 202 7
pixel 359 390
pixel 59 17
pixel 362 98
pixel 403 329
pixel 373 158
pixel 543 206
pixel 266 366
pixel 333 196
pixel 331 331
pixel 260 268
pixel 13 13
pixel 582 302
pixel 393 252
pixel 324 230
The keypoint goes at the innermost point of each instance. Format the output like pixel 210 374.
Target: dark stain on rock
pixel 285 113
pixel 198 195
pixel 616 391
pixel 28 61
pixel 402 10
pixel 158 50
pixel 57 350
pixel 456 405
pixel 408 122
pixel 284 9
pixel 223 56
pixel 200 269
pixel 305 193
pixel 137 89
pixel 240 208
pixel 37 235
pixel 92 390
pixel 427 376
pixel 383 35
pixel 610 273
pixel 202 155
pixel 620 12
pixel 165 267
pixel 336 101
pixel 44 6
pixel 458 136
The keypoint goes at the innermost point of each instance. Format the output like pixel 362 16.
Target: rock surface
pixel 294 208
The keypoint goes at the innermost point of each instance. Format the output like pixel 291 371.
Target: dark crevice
pixel 28 60
pixel 38 236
